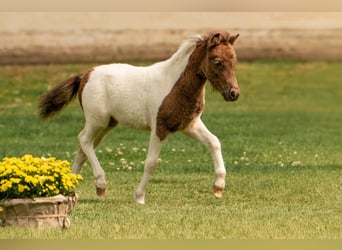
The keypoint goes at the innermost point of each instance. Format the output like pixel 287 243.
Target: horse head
pixel 218 65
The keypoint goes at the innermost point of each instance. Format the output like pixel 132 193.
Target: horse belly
pixel 132 118
pixel 130 110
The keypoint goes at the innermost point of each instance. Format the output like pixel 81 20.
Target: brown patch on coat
pixel 57 98
pixel 84 80
pixel 185 100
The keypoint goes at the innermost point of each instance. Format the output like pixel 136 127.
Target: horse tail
pixel 57 98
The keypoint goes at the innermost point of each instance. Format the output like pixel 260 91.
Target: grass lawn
pixel 281 141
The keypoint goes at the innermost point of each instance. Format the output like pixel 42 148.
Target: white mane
pixel 186 48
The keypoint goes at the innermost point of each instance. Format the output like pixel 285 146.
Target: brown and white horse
pixel 163 98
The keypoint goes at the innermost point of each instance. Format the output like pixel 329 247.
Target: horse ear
pixel 233 38
pixel 215 40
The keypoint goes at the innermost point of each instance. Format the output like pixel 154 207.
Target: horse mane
pixel 186 48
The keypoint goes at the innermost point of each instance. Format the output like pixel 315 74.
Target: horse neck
pixel 185 101
pixel 192 78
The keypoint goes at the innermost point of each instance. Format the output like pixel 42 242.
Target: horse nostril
pixel 234 94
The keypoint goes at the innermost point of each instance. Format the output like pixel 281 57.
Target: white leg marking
pixel 198 131
pixel 150 165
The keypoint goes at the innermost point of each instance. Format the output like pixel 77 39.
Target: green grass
pixel 281 143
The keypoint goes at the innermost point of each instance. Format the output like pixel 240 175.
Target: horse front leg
pixel 198 131
pixel 150 165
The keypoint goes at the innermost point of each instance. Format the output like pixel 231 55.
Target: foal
pixel 163 98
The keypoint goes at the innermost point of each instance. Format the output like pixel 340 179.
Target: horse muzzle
pixel 231 95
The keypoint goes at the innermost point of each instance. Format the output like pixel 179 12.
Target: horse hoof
pixel 139 200
pixel 218 191
pixel 100 192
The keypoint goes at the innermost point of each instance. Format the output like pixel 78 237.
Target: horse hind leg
pixel 81 157
pixel 79 161
pixel 89 138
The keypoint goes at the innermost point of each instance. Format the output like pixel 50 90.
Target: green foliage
pixel 281 142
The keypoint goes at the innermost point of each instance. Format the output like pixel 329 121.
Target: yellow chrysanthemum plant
pixel 31 177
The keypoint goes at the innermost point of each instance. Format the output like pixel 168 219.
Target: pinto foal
pixel 163 98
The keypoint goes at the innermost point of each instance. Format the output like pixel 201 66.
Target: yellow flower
pixel 33 177
pixel 21 188
pixel 15 180
pixel 50 178
pixel 7 185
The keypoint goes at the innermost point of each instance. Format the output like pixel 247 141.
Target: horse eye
pixel 217 62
